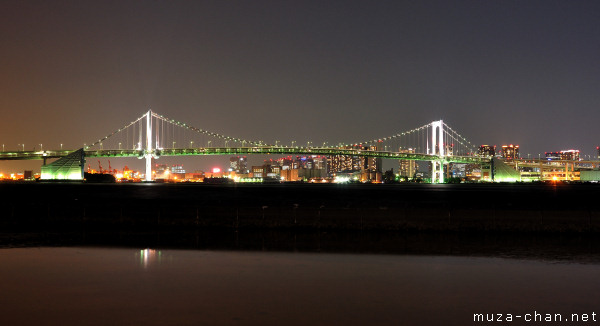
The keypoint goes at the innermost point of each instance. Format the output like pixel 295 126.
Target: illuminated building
pixel 286 163
pixel 162 171
pixel 407 168
pixel 238 164
pixel 296 169
pixel 69 167
pixel 570 155
pixel 261 171
pixel 552 156
pixel 177 168
pixel 370 164
pixel 598 149
pixel 345 163
pixel 196 176
pixel 369 167
pixel 566 155
pixel 510 152
pixel 487 151
pixel 177 172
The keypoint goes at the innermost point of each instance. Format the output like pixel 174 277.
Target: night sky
pixel 499 72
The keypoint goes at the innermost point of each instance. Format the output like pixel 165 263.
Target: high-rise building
pixel 238 164
pixel 598 149
pixel 487 151
pixel 510 152
pixel 344 163
pixel 370 164
pixel 408 168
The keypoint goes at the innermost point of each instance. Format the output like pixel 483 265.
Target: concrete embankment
pixel 463 207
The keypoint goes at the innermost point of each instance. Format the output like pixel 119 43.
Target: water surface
pixel 116 286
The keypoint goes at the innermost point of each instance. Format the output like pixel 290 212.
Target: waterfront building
pixel 344 163
pixel 298 168
pixel 238 164
pixel 510 152
pixel 570 155
pixel 369 167
pixel 177 168
pixel 289 175
pixel 565 155
pixel 487 151
pixel 265 171
pixel 407 168
pixel 370 164
pixel 473 172
pixel 161 171
pixel 552 156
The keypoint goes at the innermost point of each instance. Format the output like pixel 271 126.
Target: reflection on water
pixel 108 286
pixel 149 256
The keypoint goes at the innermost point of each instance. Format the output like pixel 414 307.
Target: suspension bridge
pixel 152 135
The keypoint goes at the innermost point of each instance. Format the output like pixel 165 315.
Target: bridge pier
pixel 148 158
pixel 437 172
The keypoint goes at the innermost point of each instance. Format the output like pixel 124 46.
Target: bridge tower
pixel 148 152
pixel 437 141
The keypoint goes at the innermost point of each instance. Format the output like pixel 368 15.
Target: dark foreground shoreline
pixel 171 207
pixel 563 247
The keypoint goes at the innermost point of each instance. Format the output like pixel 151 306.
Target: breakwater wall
pixel 462 207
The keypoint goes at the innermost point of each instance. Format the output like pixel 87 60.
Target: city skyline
pixel 501 73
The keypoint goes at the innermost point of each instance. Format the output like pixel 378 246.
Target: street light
pixel 191 143
pixel 119 146
pixel 41 147
pixel 61 147
pixel 210 141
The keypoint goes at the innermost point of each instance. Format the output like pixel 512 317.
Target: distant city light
pixel 216 170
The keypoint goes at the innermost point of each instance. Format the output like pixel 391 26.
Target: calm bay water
pixel 115 286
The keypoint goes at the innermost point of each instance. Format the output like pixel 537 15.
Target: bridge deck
pixel 263 150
